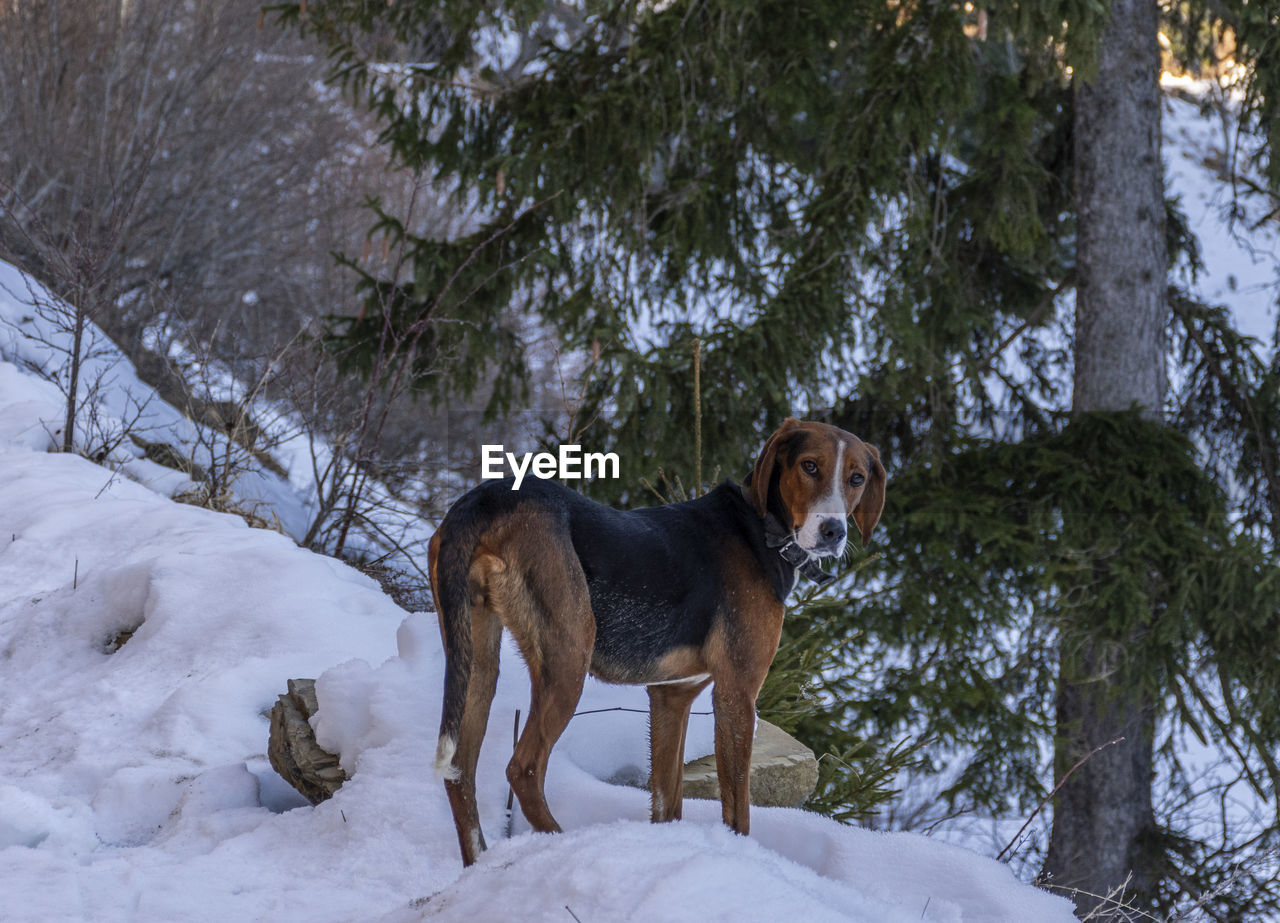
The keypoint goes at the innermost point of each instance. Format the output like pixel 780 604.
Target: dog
pixel 671 597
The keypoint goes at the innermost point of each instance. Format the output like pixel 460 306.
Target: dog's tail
pixel 449 556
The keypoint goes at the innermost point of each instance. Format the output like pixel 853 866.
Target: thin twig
pixel 1061 782
pixel 515 739
pixel 1108 904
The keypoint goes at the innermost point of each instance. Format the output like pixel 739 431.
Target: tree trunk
pixel 1121 262
pixel 1104 810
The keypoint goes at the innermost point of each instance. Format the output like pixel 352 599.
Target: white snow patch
pixel 1240 250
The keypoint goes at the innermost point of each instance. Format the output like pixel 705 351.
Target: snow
pixel 136 784
pixel 1239 248
pixel 697 872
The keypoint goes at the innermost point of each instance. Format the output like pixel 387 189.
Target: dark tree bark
pixel 1104 810
pixel 1121 263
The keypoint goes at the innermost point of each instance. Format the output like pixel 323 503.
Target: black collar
pixel 783 541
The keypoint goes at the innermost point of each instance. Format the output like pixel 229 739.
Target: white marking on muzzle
pixel 829 506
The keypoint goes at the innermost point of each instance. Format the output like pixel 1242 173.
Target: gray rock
pixel 292 746
pixel 784 772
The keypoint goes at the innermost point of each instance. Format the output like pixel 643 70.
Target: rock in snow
pixel 784 772
pixel 292 746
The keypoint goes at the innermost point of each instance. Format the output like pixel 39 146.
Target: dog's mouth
pixel 787 544
pixel 830 547
pixel 792 548
pixel 833 549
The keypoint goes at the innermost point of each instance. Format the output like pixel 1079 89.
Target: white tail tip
pixel 445 749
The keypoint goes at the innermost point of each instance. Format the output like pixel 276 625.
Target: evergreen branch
pixel 1237 398
pixel 1224 729
pixel 417 328
pixel 1036 315
pixel 638 711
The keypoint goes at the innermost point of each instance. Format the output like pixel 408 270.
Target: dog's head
pixel 813 477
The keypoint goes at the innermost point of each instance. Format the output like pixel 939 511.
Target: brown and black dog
pixel 670 597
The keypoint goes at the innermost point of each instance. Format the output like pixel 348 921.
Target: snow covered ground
pixel 135 784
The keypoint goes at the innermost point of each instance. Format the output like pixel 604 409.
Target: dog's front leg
pixel 735 709
pixel 669 705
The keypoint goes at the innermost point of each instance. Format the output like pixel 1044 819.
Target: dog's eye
pixel 855 479
pixel 810 467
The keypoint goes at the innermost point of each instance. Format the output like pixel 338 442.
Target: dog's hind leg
pixel 486 643
pixel 555 628
pixel 669 705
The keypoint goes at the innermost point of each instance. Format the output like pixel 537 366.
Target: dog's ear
pixel 871 504
pixel 758 480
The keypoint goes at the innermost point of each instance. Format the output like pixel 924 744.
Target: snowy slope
pixel 135 785
pixel 117 410
pixel 35 338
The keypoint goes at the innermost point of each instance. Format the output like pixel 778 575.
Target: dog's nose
pixel 831 531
